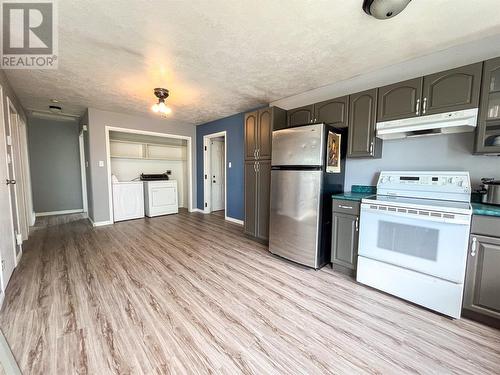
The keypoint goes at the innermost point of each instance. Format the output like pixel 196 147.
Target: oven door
pixel 428 244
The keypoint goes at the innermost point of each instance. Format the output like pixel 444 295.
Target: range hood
pixel 442 123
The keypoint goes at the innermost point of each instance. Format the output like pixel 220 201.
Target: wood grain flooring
pixel 189 294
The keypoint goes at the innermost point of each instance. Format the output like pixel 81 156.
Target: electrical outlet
pixel 229 164
pixel 101 163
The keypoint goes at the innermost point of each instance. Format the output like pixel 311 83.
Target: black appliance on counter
pixel 154 177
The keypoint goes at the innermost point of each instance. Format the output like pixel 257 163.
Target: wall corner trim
pixel 100 223
pixel 63 212
pixel 236 221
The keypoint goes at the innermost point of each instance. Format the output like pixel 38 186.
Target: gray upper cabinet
pixel 333 112
pixel 399 100
pixel 488 127
pixel 482 283
pixel 452 90
pixel 259 127
pixel 300 116
pixel 265 133
pixel 362 119
pixel 251 135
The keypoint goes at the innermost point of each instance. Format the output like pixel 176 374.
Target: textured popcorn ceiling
pixel 222 57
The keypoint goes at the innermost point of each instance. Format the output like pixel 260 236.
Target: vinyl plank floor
pixel 190 294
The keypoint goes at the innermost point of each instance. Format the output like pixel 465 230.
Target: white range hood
pixel 442 123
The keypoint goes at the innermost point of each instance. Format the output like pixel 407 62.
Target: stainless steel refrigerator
pixel 308 166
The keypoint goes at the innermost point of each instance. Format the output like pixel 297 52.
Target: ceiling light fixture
pixel 161 107
pixel 383 9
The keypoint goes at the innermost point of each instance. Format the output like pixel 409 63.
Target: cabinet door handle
pixel 346 207
pixel 417 107
pixel 371 147
pixel 357 224
pixel 473 247
pixel 258 167
pixel 255 153
pixel 258 153
pixel 424 109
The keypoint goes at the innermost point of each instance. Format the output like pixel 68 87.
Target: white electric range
pixel 414 236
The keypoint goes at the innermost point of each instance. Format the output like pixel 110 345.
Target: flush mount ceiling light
pixel 161 107
pixel 383 9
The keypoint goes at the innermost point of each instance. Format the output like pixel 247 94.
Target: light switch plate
pixel 229 164
pixel 101 163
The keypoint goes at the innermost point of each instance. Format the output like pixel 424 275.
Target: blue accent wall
pixel 233 125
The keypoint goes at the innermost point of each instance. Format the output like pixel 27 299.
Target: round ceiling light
pixel 161 107
pixel 383 9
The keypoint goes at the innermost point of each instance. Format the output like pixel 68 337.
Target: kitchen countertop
pixel 485 209
pixel 357 193
pixel 351 196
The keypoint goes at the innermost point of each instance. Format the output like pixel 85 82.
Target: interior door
pixel 11 170
pixel 20 186
pixel 7 241
pixel 217 169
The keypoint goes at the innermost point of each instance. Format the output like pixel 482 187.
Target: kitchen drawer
pixel 346 206
pixel 486 225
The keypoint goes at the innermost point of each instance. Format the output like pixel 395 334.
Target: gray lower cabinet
pixel 257 192
pixel 362 141
pixel 482 282
pixel 250 227
pixel 452 90
pixel 488 127
pixel 345 230
pixel 300 116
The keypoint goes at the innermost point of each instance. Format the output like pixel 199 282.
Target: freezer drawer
pixel 295 214
pixel 300 146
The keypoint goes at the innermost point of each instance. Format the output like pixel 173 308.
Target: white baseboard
pixel 32 218
pixel 19 255
pixel 99 223
pixel 2 296
pixel 64 212
pixel 236 221
pixel 198 210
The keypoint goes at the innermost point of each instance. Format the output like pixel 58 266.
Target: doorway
pixel 14 183
pixel 214 162
pixel 7 234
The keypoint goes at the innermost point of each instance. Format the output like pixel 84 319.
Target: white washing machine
pixel 160 198
pixel 128 200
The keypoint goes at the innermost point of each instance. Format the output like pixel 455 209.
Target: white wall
pixel 129 169
pixel 437 152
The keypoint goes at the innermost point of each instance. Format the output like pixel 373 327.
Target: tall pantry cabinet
pixel 259 126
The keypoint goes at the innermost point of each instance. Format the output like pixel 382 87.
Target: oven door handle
pixel 458 219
